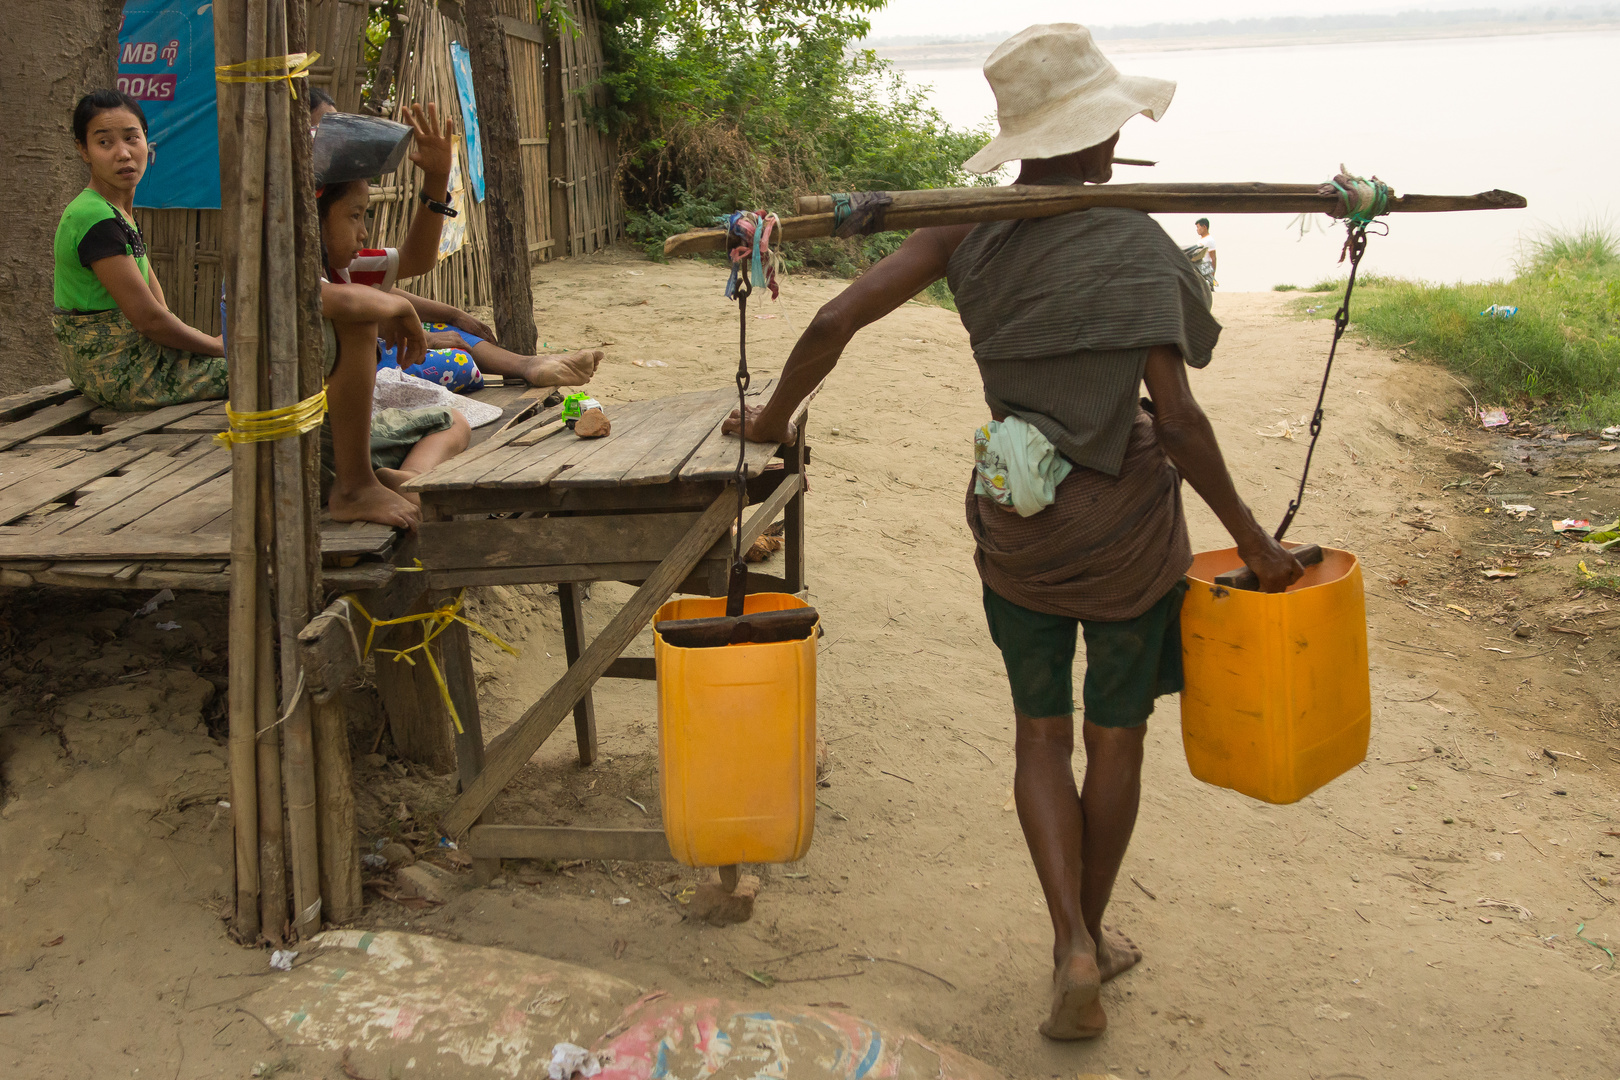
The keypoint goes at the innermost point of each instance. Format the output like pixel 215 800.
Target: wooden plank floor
pixel 93 498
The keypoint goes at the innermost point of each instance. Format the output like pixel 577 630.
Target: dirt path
pixel 1342 936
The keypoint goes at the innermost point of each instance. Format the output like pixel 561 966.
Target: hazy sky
pixel 951 17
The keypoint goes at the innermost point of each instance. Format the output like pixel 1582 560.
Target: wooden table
pixel 651 504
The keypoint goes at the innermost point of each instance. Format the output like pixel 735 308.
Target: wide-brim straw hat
pixel 1057 93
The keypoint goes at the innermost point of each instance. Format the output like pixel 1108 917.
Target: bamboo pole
pixel 287 491
pixel 341 896
pixel 964 206
pixel 229 48
pixel 245 315
pixel 272 825
pixel 337 832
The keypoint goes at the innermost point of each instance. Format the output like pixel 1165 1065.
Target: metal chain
pixel 1356 244
pixel 738 584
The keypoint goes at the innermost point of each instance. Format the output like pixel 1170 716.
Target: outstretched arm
pixel 1187 438
pixel 918 263
pixel 433 311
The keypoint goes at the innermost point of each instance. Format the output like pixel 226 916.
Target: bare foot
pixel 1076 1012
pixel 1116 954
pixel 374 502
pixel 396 479
pixel 564 369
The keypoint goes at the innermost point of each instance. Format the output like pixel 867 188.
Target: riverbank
pixel 1345 934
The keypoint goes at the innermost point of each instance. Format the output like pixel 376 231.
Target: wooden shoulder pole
pixel 966 206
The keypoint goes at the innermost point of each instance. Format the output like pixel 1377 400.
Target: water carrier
pixel 1277 699
pixel 737 740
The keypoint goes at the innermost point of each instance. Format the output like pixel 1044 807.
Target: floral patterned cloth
pixel 453 369
pixel 117 367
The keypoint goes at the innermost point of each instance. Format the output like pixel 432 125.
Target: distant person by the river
pixel 1206 261
pixel 123 347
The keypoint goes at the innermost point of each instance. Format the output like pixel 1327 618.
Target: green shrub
pixel 1562 348
pixel 722 106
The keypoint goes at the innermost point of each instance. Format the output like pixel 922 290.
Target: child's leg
pixel 430 451
pixel 357 494
pixel 563 369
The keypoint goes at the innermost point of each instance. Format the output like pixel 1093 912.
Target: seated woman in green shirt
pixel 123 347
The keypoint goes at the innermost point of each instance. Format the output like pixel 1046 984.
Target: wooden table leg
pixel 573 621
pixel 793 523
pixel 455 661
pixel 410 695
pixel 518 743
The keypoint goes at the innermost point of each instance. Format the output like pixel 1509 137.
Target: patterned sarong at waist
pixel 1106 550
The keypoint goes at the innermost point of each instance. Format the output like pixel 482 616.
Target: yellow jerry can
pixel 737 741
pixel 1277 699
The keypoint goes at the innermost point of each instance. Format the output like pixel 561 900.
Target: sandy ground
pixel 1339 937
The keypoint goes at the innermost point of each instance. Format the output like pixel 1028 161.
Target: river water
pixel 1531 114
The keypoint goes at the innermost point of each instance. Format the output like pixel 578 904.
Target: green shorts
pixel 1128 664
pixel 393 433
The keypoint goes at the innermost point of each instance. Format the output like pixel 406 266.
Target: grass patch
pixel 1607 582
pixel 1285 288
pixel 939 294
pixel 1560 351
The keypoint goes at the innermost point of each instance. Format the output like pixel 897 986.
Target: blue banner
pixel 166 62
pixel 461 64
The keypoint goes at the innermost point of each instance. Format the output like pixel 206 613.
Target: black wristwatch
pixel 436 206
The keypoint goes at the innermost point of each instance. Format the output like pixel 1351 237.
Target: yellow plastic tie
pixel 272 424
pixel 434 623
pixel 296 64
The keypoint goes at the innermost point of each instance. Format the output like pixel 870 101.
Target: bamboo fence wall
pixel 461 278
pixel 571 191
pixel 526 53
pixel 593 216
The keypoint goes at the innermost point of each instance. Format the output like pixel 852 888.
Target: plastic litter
pixel 1500 311
pixel 568 1060
pixel 153 604
pixel 452 1011
pixel 1518 508
pixel 649 363
pixel 1606 537
pixel 282 959
pixel 620 901
pixel 1580 525
pixel 1493 418
pixel 168 626
pixel 371 860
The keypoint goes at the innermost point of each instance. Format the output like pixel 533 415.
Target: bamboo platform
pixel 90 498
